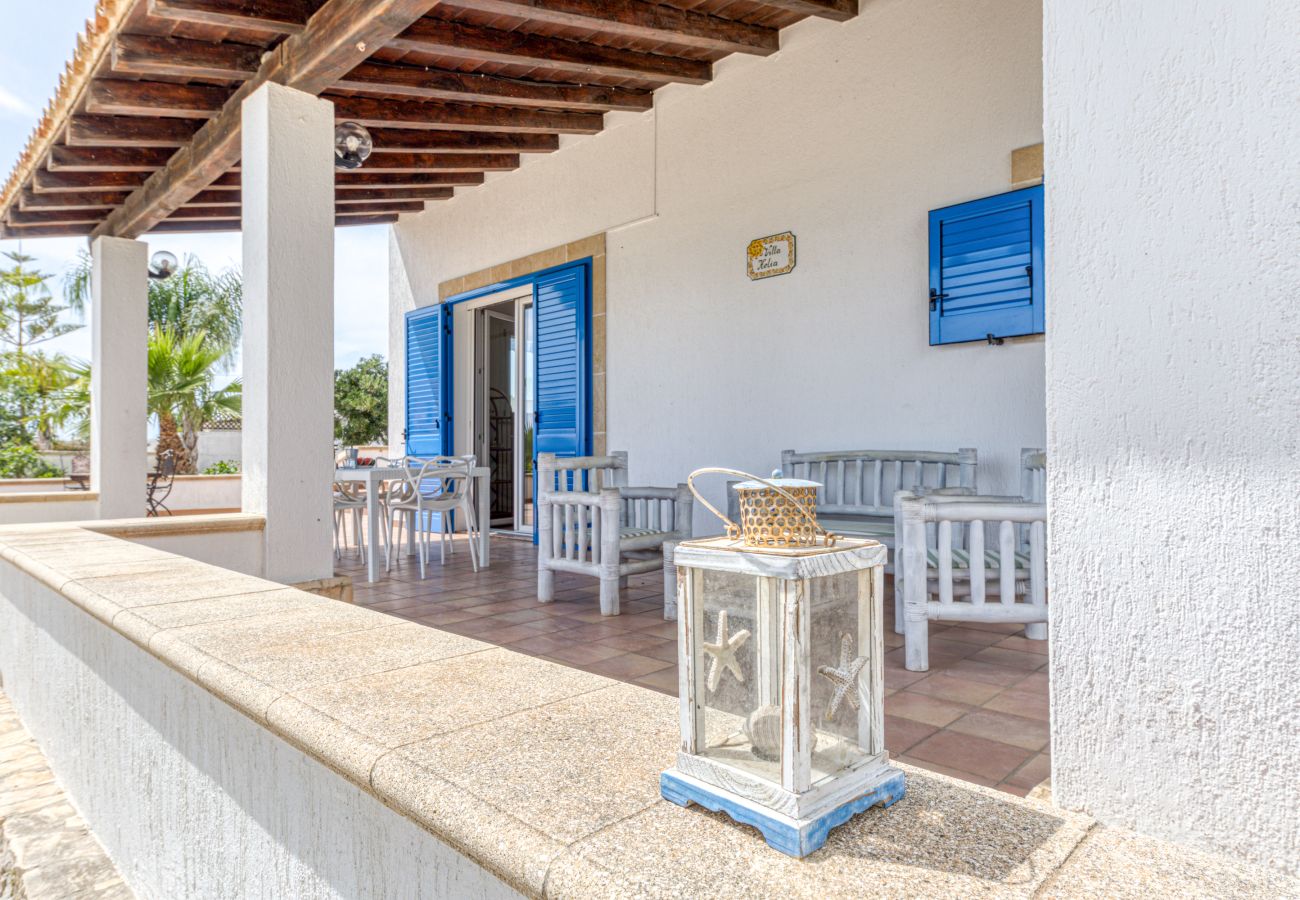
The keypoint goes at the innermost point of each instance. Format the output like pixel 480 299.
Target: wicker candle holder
pixel 775 512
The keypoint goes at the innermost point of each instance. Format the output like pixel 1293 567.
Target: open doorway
pixel 504 403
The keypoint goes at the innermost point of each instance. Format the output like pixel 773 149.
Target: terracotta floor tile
pixel 967 753
pixel 959 690
pixel 664 681
pixel 1015 642
pixel 1011 659
pixel 1015 789
pixel 920 708
pixel 665 651
pixel 441 617
pixel 542 644
pixel 900 734
pixel 974 670
pixel 586 655
pixel 531 614
pixel 972 777
pixel 1033 773
pixel 1031 704
pixel 1019 731
pixel 628 665
pixel 972 635
pixel 899 678
pixel 639 643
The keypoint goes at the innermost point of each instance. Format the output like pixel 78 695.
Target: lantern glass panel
pixel 840 643
pixel 737 674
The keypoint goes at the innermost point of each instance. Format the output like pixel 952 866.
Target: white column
pixel 288 358
pixel 1174 419
pixel 119 345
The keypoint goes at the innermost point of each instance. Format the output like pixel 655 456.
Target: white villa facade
pixel 1154 146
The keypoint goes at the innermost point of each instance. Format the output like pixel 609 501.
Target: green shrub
pixel 22 461
pixel 222 467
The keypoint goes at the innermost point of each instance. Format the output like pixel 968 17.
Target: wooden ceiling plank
pixel 59 230
pixel 349 221
pixel 478 44
pixel 29 200
pixel 364 195
pixel 44 181
pixel 441 84
pixel 640 20
pixel 121 97
pixel 129 131
pixel 272 16
pixel 336 39
pixel 410 179
pixel 835 10
pixel 393 140
pixel 462 116
pixel 140 54
pixel 441 162
pixel 50 216
pixel 107 159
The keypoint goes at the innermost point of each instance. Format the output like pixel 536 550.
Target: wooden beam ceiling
pixel 449 90
pixel 334 42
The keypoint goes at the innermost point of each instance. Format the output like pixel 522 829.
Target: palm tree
pixel 182 392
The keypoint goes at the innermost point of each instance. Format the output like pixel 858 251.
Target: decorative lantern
pixel 162 265
pixel 780 647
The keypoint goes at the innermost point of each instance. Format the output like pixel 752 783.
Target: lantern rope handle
pixel 733 530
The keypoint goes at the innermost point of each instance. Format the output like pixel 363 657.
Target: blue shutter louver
pixel 563 423
pixel 986 268
pixel 428 381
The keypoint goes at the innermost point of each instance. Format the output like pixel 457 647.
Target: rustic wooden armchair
pixel 589 521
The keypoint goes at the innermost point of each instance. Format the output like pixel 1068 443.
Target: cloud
pixel 12 103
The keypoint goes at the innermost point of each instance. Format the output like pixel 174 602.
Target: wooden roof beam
pixel 640 20
pixel 577 58
pixel 336 39
pixel 369 195
pixel 28 200
pixel 129 131
pixel 398 179
pixel 121 97
pixel 462 116
pixel 393 140
pixel 107 159
pixel 140 54
pixel 439 84
pixel 189 227
pixel 836 10
pixel 272 16
pixel 442 162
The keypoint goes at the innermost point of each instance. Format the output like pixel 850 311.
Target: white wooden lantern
pixel 781 684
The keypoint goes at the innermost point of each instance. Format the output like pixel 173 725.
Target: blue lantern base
pixel 793 837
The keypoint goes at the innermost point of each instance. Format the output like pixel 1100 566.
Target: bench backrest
pixel 556 474
pixel 1033 474
pixel 863 482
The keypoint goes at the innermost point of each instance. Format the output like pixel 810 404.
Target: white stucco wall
pixel 34 508
pixel 189 797
pixel 1173 255
pixel 847 136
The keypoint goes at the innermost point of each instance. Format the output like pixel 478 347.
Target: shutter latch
pixel 935 297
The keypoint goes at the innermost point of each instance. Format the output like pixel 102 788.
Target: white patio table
pixel 372 476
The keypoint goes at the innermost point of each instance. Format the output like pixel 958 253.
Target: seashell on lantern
pixel 781 680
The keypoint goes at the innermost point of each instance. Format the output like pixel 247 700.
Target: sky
pixel 31 58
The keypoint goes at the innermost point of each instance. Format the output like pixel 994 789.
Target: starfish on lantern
pixel 723 650
pixel 845 677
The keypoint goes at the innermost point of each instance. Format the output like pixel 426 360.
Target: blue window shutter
pixel 563 421
pixel 986 268
pixel 428 381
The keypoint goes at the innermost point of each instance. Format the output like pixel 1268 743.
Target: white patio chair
pixel 438 485
pixel 590 522
pixel 348 498
pixel 962 575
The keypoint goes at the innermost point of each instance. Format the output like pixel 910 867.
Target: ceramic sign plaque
pixel 772 255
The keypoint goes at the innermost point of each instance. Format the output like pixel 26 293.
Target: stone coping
pixel 173 526
pixel 61 496
pixel 548 776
